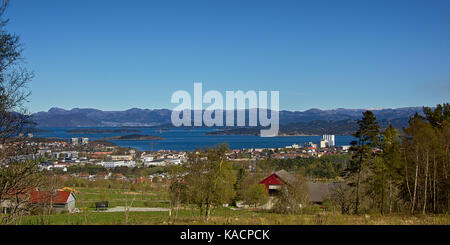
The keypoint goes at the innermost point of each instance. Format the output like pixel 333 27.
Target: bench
pixel 101 205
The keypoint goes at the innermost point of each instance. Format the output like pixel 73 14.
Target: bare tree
pixel 341 195
pixel 17 180
pixel 177 189
pixel 128 205
pixel 13 82
pixel 293 196
pixel 17 174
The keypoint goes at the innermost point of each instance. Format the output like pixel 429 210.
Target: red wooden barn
pixel 58 200
pixel 277 180
pixel 317 190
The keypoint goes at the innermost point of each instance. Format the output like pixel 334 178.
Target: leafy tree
pixel 426 160
pixel 419 142
pixel 256 195
pixel 239 185
pixel 385 171
pixel 210 178
pixel 392 161
pixel 88 168
pixel 178 194
pixel 326 166
pixel 368 136
pixel 437 116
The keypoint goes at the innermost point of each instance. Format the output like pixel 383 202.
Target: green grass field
pixel 87 197
pixel 158 197
pixel 231 217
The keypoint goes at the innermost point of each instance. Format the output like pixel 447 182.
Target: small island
pixel 252 131
pixel 102 142
pixel 133 137
pixel 101 131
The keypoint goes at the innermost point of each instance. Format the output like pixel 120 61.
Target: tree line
pixel 326 167
pixel 405 172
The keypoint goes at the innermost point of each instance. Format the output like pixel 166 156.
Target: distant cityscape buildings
pixel 79 141
pixel 28 135
pixel 74 141
pixel 59 155
pixel 310 145
pixel 84 141
pixel 327 141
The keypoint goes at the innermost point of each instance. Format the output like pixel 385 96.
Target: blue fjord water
pixel 181 139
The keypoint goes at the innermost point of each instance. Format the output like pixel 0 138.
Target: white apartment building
pixel 84 141
pixel 129 164
pixel 330 139
pixel 323 143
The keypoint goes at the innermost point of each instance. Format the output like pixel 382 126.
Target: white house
pixel 158 162
pixel 129 164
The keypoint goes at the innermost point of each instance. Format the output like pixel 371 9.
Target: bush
pixel 256 195
pixel 292 197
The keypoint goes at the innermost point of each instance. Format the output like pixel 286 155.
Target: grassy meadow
pixel 158 197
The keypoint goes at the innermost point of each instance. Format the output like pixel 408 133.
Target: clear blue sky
pixel 116 55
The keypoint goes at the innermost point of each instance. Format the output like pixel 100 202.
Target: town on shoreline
pixel 59 156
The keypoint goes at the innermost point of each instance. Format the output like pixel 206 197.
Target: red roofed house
pixel 276 181
pixel 58 200
pixel 318 191
pixel 15 199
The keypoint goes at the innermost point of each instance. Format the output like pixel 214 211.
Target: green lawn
pixel 158 197
pixel 117 197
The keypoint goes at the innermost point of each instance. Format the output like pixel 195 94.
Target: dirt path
pixel 135 209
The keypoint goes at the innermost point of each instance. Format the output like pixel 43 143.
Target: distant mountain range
pixel 312 121
pixel 56 117
pixel 317 127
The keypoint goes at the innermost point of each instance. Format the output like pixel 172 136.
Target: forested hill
pixel 318 127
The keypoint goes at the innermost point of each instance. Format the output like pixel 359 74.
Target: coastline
pixel 133 137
